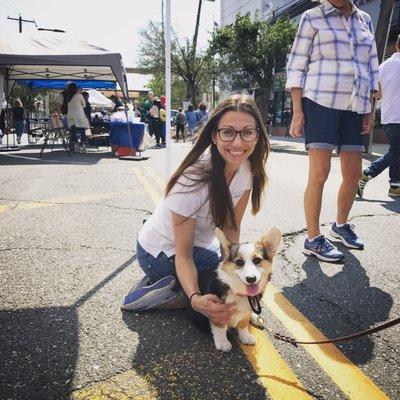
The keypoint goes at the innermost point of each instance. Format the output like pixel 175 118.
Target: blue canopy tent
pixel 60 84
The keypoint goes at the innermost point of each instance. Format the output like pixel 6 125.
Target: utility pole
pixel 20 21
pixel 383 27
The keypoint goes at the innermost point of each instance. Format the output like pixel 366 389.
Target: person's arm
pixel 296 71
pixel 297 123
pixel 233 235
pixel 209 305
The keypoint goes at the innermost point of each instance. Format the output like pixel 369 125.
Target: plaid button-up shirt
pixel 334 58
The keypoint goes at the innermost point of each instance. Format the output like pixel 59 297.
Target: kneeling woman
pixel 211 188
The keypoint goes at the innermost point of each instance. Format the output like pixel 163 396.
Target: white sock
pixel 340 225
pixel 310 240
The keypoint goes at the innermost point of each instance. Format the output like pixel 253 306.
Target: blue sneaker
pixel 347 235
pixel 323 249
pixel 146 294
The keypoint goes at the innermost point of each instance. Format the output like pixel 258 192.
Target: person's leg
pixel 393 133
pixel 350 145
pixel 350 162
pixel 158 287
pixel 320 130
pixel 318 171
pixel 72 137
pixel 391 157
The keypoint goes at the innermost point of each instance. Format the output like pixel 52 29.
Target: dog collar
pixel 255 305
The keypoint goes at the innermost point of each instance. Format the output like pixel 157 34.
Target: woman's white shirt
pixel 76 115
pixel 157 233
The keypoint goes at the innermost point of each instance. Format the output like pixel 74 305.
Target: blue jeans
pixel 161 266
pixel 391 159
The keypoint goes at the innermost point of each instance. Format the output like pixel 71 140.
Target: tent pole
pixel 7 127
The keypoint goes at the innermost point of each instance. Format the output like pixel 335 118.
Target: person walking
pixel 180 123
pixel 191 118
pixel 211 188
pixel 332 73
pixel 389 90
pixel 18 119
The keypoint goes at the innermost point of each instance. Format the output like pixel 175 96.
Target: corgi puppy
pixel 241 278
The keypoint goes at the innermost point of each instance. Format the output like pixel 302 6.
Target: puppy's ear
pixel 271 241
pixel 225 243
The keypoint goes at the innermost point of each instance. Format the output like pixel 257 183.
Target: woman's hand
pixel 213 308
pixel 367 124
pixel 297 124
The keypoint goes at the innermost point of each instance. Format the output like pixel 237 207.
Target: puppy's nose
pixel 250 279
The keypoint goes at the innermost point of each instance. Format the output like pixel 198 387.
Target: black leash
pixel 294 342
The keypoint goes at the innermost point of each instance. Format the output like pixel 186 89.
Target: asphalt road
pixel 67 257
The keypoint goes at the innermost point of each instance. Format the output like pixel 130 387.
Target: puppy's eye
pixel 257 260
pixel 239 262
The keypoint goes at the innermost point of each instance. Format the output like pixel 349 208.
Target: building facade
pixel 280 100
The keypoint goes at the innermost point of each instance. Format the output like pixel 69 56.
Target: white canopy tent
pixel 49 56
pixel 98 99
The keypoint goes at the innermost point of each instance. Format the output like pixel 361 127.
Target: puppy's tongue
pixel 252 290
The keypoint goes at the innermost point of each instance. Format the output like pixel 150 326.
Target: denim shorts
pixel 162 265
pixel 327 128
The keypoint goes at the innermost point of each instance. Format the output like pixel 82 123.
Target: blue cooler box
pixel 119 134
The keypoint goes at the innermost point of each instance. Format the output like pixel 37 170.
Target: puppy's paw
pixel 246 337
pixel 223 345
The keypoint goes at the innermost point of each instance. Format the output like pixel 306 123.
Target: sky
pixel 113 25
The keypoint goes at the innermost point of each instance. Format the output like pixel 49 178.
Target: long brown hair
pixel 221 206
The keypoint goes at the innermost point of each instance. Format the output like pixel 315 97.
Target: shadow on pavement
pixel 29 156
pixel 391 205
pixel 180 362
pixel 341 304
pixel 39 348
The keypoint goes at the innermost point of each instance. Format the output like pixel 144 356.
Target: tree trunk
pixel 261 98
pixel 191 92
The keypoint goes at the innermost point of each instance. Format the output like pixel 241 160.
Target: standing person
pixel 76 118
pixel 62 108
pixel 180 123
pixel 202 115
pixel 286 121
pixel 191 118
pixel 389 89
pixel 268 123
pixel 2 124
pixel 154 121
pixel 18 119
pixel 88 108
pixel 147 105
pixel 331 72
pixel 211 188
pixel 163 125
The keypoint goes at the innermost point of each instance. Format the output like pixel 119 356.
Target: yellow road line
pixel 276 376
pixel 160 181
pixel 349 378
pixel 62 200
pixel 148 187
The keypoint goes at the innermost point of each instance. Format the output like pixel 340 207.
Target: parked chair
pixel 57 131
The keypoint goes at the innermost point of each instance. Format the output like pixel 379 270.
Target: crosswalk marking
pixel 276 376
pixel 349 378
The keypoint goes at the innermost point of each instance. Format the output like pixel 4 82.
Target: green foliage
pixel 188 70
pixel 249 51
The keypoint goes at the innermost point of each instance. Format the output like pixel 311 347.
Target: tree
pixel 250 52
pixel 191 69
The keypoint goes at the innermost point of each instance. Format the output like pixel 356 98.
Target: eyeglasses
pixel 229 134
